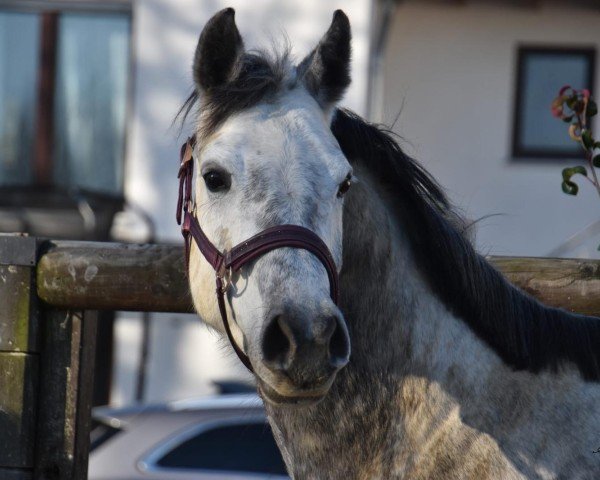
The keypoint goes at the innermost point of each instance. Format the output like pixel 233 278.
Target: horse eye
pixel 344 186
pixel 216 181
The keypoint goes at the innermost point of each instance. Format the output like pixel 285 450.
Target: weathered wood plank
pixel 18 299
pixel 18 389
pixel 152 278
pixel 102 276
pixel 572 284
pixel 85 393
pixel 66 383
pixel 18 319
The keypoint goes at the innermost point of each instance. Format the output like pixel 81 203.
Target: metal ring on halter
pixel 226 275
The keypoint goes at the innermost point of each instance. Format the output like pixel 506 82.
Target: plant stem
pixel 581 121
pixel 593 169
pixel 591 180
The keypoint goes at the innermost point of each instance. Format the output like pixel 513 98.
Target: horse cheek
pixel 202 285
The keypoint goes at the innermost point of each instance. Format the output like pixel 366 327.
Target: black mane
pixel 526 334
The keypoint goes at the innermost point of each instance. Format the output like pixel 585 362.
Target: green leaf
pixel 587 139
pixel 592 108
pixel 596 161
pixel 567 173
pixel 597 145
pixel 570 188
pixel 571 102
pixel 568 119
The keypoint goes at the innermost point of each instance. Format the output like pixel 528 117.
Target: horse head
pixel 266 157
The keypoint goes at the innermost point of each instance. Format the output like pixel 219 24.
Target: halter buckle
pixel 187 152
pixel 225 274
pixel 190 206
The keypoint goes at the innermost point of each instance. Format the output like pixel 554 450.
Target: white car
pixel 213 438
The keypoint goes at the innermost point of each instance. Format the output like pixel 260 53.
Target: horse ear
pixel 326 70
pixel 219 47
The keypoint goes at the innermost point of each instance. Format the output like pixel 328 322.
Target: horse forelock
pixel 524 333
pixel 256 77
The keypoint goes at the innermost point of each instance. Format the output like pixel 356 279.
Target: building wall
pixel 450 70
pixel 184 355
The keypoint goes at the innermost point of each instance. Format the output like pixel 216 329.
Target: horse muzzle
pixel 303 354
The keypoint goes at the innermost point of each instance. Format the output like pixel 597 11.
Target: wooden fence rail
pixel 105 276
pixel 100 276
pixel 49 292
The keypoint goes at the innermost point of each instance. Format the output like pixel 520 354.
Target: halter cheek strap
pixel 226 263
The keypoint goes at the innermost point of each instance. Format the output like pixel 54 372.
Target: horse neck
pixel 389 306
pixel 420 384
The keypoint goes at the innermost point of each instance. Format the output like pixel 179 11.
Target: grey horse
pixel 432 366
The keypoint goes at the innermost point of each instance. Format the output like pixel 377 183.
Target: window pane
pixel 91 90
pixel 234 448
pixel 19 45
pixel 544 73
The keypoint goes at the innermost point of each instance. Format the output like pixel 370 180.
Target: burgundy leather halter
pixel 227 262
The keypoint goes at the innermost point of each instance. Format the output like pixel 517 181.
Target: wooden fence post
pixel 19 359
pixel 65 392
pixel 46 375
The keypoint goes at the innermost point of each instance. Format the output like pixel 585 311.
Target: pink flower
pixel 557 107
pixel 563 90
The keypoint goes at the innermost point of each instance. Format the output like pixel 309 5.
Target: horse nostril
pixel 301 347
pixel 339 344
pixel 278 343
pixel 324 330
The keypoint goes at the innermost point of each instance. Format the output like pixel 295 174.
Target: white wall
pixel 451 69
pixel 184 356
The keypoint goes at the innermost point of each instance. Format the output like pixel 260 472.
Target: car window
pixel 233 448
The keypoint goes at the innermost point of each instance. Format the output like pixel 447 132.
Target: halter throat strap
pixel 226 263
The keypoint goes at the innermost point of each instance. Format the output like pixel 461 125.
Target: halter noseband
pixel 228 262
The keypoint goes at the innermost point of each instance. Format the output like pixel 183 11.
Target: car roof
pixel 240 400
pixel 115 417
